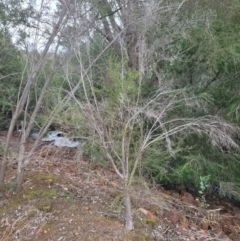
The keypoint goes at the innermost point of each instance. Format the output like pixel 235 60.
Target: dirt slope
pixel 65 198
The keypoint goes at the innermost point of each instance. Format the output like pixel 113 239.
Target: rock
pixel 172 216
pixel 188 198
pixel 148 214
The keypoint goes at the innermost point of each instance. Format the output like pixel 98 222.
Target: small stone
pixel 87 208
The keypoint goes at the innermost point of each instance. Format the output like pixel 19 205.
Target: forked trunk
pixel 128 209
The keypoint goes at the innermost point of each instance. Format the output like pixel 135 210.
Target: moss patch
pixel 150 221
pixel 38 193
pixel 31 213
pixel 45 179
pixel 27 195
pixel 8 186
pixel 45 206
pixel 138 237
pixel 68 196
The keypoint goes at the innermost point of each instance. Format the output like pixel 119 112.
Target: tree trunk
pixel 5 152
pixel 19 180
pixel 27 88
pixel 20 159
pixel 128 209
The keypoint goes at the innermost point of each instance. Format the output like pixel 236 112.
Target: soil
pixel 67 198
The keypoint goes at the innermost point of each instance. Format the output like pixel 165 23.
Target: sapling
pixel 204 184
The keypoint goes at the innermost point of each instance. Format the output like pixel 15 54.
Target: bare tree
pixel 23 99
pixel 125 26
pixel 114 125
pixel 128 119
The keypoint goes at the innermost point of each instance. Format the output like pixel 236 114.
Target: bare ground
pixel 67 198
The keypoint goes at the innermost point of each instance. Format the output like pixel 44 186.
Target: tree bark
pixel 20 158
pixel 128 209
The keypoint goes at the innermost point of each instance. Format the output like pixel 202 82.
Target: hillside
pixel 65 197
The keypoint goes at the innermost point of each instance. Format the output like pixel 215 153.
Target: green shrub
pixel 193 158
